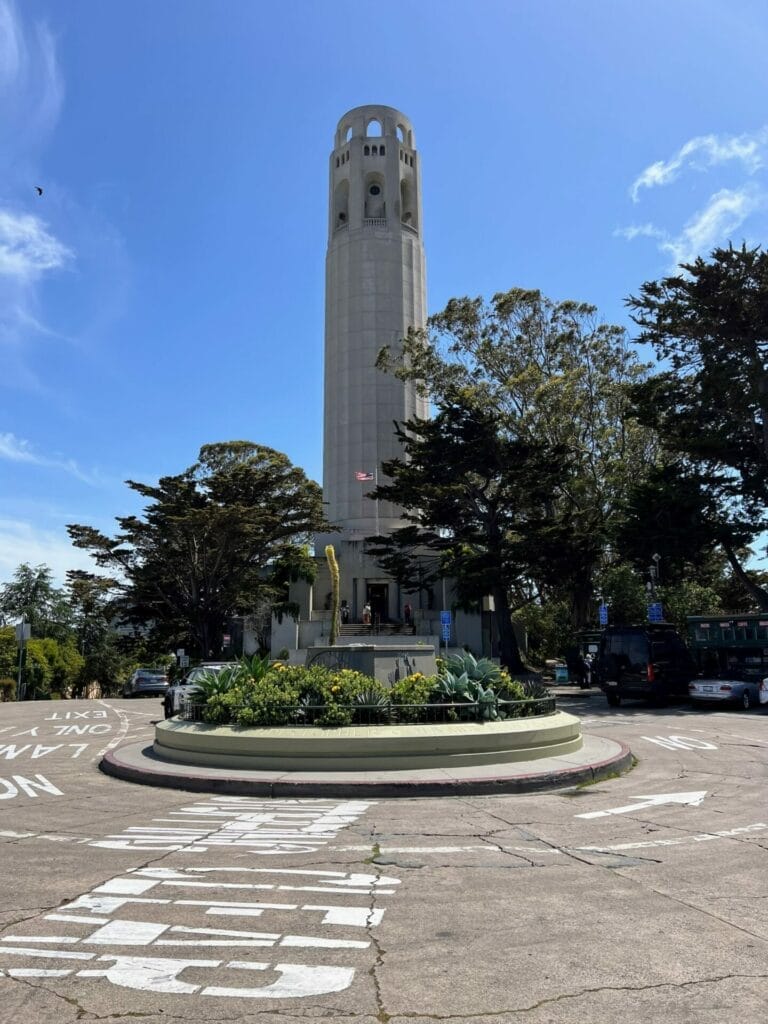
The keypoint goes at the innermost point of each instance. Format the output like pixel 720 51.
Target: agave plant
pixel 371 705
pixel 216 684
pixel 535 689
pixel 454 688
pixel 253 669
pixel 482 671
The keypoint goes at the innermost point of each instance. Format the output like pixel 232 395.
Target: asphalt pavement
pixel 640 898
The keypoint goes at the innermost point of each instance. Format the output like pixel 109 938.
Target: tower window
pixel 337 161
pixel 366 150
pixel 375 150
pixel 374 190
pixel 381 151
pixel 373 128
pixel 400 133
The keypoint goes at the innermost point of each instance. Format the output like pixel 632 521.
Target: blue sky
pixel 166 290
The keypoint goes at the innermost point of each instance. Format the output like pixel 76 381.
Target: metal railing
pixel 305 714
pixel 375 222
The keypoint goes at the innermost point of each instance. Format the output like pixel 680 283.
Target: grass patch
pixel 375 852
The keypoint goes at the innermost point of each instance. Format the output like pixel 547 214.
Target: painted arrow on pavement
pixel 693 799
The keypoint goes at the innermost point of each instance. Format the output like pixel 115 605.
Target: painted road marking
pixel 126 893
pixel 29 786
pixel 680 743
pixel 692 799
pixel 10 751
pixel 503 849
pixel 261 826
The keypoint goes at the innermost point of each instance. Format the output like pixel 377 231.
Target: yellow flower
pixel 335 689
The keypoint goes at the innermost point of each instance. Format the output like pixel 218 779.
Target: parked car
pixel 649 661
pixel 186 687
pixel 745 693
pixel 763 694
pixel 146 681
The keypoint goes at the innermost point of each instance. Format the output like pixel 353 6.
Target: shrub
pixel 7 689
pixel 414 689
pixel 335 715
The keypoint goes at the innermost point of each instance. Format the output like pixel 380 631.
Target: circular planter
pixel 368 748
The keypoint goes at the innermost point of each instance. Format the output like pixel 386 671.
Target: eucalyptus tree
pixel 553 376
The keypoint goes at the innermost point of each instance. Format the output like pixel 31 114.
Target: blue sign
pixel 655 612
pixel 445 618
pixel 602 614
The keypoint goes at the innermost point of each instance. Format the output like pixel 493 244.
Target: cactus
pixel 333 567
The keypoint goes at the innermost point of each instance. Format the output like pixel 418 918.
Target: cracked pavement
pixel 509 907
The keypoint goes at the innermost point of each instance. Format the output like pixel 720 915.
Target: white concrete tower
pixel 375 291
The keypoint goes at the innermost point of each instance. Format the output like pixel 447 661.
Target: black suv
pixel 649 661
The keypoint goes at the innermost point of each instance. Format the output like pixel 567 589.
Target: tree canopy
pixel 709 407
pixel 475 498
pixel 551 379
pixel 214 541
pixel 30 595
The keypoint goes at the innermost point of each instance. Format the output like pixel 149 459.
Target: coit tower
pixel 375 291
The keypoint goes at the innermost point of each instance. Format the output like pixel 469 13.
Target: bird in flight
pixel 38 190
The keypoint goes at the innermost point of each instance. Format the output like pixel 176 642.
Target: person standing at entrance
pixel 367 613
pixel 408 614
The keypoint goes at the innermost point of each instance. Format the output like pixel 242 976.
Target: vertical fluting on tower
pixel 375 291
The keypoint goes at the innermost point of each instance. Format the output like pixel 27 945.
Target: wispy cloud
pixel 31 95
pixel 27 248
pixel 715 224
pixel 31 87
pixel 15 449
pixel 703 152
pixel 22 542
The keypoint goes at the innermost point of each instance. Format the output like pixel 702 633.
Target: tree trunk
pixel 756 592
pixel 509 652
pixel 581 603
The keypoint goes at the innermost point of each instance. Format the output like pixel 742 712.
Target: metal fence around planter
pixel 297 715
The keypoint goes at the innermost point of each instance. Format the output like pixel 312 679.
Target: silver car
pixel 744 693
pixel 185 687
pixel 146 682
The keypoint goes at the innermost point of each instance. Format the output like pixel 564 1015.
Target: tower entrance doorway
pixel 377 595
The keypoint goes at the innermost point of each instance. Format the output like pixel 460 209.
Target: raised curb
pixel 139 764
pixel 362 750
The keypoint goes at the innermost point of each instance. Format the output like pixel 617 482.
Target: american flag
pixel 362 475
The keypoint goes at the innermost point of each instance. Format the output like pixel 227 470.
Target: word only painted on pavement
pixel 98 934
pixel 680 743
pixel 261 826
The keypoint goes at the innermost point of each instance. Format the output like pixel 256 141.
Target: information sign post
pixel 445 627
